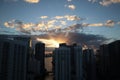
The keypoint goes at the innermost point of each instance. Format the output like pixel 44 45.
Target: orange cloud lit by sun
pixel 51 42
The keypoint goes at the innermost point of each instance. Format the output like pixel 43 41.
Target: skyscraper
pixel 62 63
pixel 76 62
pixel 89 64
pixel 13 59
pixel 68 62
pixel 40 55
pixel 109 60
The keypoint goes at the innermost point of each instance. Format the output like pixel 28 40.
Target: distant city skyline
pixel 44 17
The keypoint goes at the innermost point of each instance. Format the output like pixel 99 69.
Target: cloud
pixel 44 17
pixel 74 28
pixel 93 1
pixel 69 17
pixel 18 23
pixel 96 25
pixel 109 2
pixel 9 24
pixel 55 25
pixel 32 1
pixel 105 2
pixel 87 39
pixel 118 22
pixel 69 0
pixel 79 27
pixel 74 37
pixel 19 26
pixel 44 26
pixel 27 25
pixel 72 7
pixel 59 17
pixel 51 22
pixel 72 17
pixel 63 22
pixel 110 23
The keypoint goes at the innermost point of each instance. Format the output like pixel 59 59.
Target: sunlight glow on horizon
pixel 51 42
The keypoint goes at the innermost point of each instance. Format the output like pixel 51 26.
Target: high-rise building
pixel 109 60
pixel 114 58
pixel 62 64
pixel 76 62
pixel 13 59
pixel 89 64
pixel 104 60
pixel 34 68
pixel 67 62
pixel 40 55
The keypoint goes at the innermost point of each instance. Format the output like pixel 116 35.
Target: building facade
pixel 40 56
pixel 13 59
pixel 62 63
pixel 89 64
pixel 109 60
pixel 67 62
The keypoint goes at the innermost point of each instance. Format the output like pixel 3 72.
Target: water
pixel 48 66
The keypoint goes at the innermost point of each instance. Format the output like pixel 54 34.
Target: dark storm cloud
pixel 86 39
pixel 79 38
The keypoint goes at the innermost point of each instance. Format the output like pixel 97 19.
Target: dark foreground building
pixel 89 64
pixel 109 66
pixel 67 62
pixel 40 56
pixel 14 58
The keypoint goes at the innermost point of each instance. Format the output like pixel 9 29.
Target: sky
pixel 96 18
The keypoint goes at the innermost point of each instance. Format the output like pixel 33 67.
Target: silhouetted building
pixel 89 64
pixel 13 59
pixel 109 60
pixel 40 55
pixel 76 62
pixel 114 57
pixel 67 62
pixel 62 64
pixel 34 68
pixel 104 61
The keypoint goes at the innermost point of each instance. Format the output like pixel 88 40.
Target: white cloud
pixel 71 17
pixel 105 2
pixel 109 2
pixel 59 17
pixel 19 26
pixel 96 24
pixel 72 7
pixel 51 21
pixel 69 0
pixel 93 1
pixel 27 25
pixel 55 24
pixel 109 23
pixel 10 24
pixel 63 22
pixel 118 22
pixel 44 17
pixel 32 1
